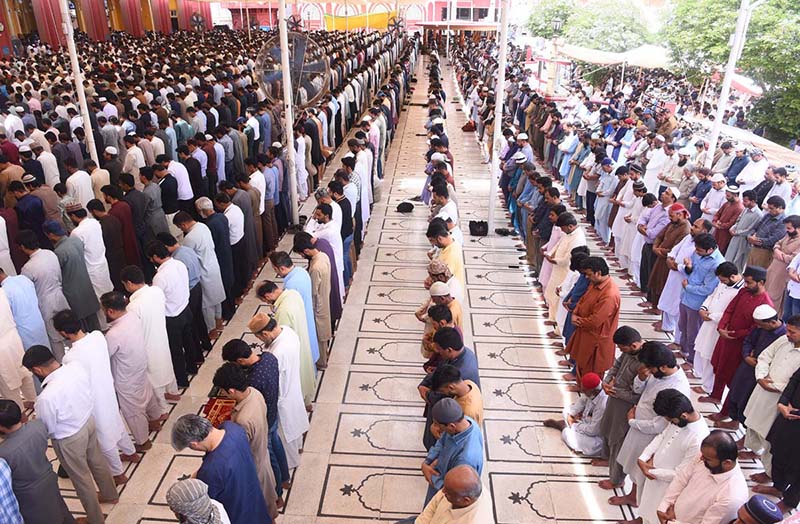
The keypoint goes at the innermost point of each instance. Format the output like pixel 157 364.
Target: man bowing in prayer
pixel 290 311
pixel 319 269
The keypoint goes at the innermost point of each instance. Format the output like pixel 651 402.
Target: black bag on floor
pixel 478 228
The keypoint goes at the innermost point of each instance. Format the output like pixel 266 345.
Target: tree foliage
pixel 543 13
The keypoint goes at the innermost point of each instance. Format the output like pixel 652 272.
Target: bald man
pixel 460 501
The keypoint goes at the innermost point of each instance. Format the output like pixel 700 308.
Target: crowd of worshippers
pixel 128 279
pixel 713 252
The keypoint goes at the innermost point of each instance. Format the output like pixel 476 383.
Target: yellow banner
pixel 349 23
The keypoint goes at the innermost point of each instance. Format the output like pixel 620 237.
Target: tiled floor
pixel 362 454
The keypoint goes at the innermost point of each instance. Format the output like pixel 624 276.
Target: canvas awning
pixel 646 56
pixel 460 25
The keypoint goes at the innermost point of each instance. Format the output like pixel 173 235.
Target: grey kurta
pixel 738 248
pixel 242 199
pixel 199 239
pixel 154 212
pixel 44 271
pixel 77 285
pixel 32 476
pixel 613 426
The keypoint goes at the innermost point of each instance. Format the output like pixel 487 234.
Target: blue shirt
pixel 230 473
pixel 737 164
pixel 454 450
pixel 467 364
pixel 192 263
pixel 24 304
pixel 702 279
pixel 9 509
pixel 299 280
pixel 265 377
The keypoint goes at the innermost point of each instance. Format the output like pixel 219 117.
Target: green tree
pixel 608 25
pixel 543 13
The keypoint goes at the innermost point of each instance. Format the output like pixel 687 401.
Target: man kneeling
pixel 580 429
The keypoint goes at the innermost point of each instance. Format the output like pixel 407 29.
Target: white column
pixel 77 75
pixel 499 98
pixel 447 34
pixel 730 69
pixel 288 108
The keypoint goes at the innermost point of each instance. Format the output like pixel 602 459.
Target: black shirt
pixel 169 194
pixel 347 217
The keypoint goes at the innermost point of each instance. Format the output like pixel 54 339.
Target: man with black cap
pixel 758 510
pixel 461 443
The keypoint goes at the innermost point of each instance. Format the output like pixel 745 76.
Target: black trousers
pixel 646 267
pixel 198 322
pixel 591 198
pixel 786 477
pixel 359 227
pixel 179 330
pixel 241 269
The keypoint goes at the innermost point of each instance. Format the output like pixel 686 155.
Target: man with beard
pixel 710 488
pixel 782 254
pixel 726 217
pixel 739 247
pixel 669 237
pixel 735 325
pixel 319 269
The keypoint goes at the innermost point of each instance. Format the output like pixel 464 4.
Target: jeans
pixel 791 307
pixel 348 262
pixel 277 457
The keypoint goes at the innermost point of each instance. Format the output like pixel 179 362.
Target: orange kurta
pixel 597 313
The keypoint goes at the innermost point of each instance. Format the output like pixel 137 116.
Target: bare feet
pixel 279 503
pixel 573 388
pixel 309 408
pixel 106 501
pixel 120 479
pixel 287 484
pixel 565 363
pixel 767 490
pixel 748 455
pixel 761 478
pixel 569 377
pixel 172 396
pixel 709 400
pixel 699 390
pixel 555 424
pixel 81 520
pixel 154 425
pixel 134 458
pixel 143 447
pixel 637 520
pixel 27 404
pixel 624 500
pixel 716 417
pixel 600 463
pixel 731 424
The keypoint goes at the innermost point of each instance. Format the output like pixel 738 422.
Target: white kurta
pixel 584 436
pixel 91 352
pixel 331 233
pixel 79 187
pixel 148 304
pixel 627 198
pixel 629 232
pixel 654 166
pixel 12 372
pixel 45 272
pixel 94 253
pixel 715 304
pixel 200 240
pixel 5 250
pixel 778 361
pixel 671 295
pixel 670 449
pixel 291 406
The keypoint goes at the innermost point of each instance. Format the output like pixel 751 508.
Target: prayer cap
pixel 437 267
pixel 756 151
pixel 366 118
pixel 732 188
pixel 741 146
pixel 103 99
pixel 24 149
pixel 54 228
pixel 258 322
pixel 438 120
pixel 72 207
pixel 719 177
pixel 637 168
pixel 686 151
pixel 19 109
pixel 660 138
pixel 439 289
pixel 639 186
pixel 763 510
pixel 28 178
pixel 189 497
pixel 439 157
pixel 606 162
pixel 678 208
pixel 675 191
pixel 111 150
pixel 764 312
pixel 447 411
pixel 321 192
pixel 756 273
pixel 277 144
pixel 590 381
pixel 522 136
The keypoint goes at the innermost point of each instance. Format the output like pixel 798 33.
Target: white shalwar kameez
pixel 584 435
pixel 199 239
pixel 148 304
pixel 94 253
pixel 707 336
pixel 291 406
pixel 669 302
pixel 91 352
pixel 671 448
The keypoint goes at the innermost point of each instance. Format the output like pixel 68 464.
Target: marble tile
pixel 387 352
pixel 403 238
pixel 405 224
pixel 504 325
pixel 492 259
pixel 402 255
pixel 510 394
pixel 375 388
pixel 408 297
pixel 375 320
pixel 501 299
pixel 515 356
pixel 407 275
pixel 497 277
pixel 385 435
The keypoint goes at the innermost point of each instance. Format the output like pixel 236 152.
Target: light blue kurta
pixel 299 280
pixel 21 295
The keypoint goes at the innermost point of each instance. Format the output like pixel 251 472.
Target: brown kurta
pixel 319 269
pixel 777 275
pixel 724 218
pixel 595 317
pixel 615 207
pixel 669 237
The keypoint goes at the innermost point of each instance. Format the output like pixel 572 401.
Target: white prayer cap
pixel 137 88
pixel 675 192
pixel 686 151
pixel 764 312
pixel 522 136
pixel 741 146
pixel 111 150
pixel 24 149
pixel 348 154
pixel 661 138
pixel 209 137
pixel 439 289
pixel 719 177
pixel 103 99
pixel 226 90
pixel 438 157
pixel 277 144
pixel 437 120
pixel 366 118
pixel 19 109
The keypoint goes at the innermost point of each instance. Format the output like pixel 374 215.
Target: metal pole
pixel 77 75
pixel 271 17
pixel 347 20
pixel 730 69
pixel 622 77
pixel 498 111
pixel 249 39
pixel 288 108
pixel 447 34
